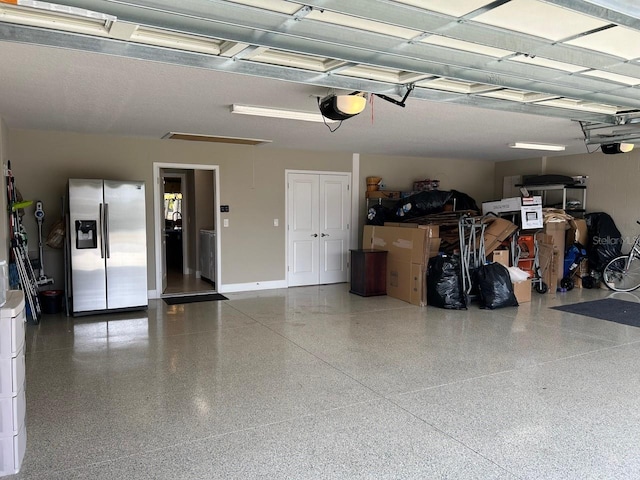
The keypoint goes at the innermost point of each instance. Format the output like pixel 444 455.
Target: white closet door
pixel 304 237
pixel 319 209
pixel 335 214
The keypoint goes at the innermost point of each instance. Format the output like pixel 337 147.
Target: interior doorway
pixel 186 199
pixel 177 241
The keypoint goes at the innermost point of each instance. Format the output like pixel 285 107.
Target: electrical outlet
pixel 225 222
pixel 276 222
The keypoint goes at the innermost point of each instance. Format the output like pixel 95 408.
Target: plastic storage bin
pixel 12 450
pixel 12 376
pixel 13 433
pixel 12 414
pixel 4 282
pixel 11 329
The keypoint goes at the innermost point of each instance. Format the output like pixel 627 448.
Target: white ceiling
pixel 57 79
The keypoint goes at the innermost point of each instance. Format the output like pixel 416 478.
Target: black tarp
pixel 605 240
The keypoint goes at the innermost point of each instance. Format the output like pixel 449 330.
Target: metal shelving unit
pixel 542 190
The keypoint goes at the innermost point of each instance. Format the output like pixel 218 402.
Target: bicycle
pixel 622 274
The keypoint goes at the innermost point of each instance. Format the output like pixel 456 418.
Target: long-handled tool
pixel 39 214
pixel 19 250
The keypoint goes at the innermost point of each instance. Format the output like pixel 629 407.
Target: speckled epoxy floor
pixel 314 382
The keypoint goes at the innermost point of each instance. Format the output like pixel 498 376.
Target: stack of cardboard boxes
pixel 409 248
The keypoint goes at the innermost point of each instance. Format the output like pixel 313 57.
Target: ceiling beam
pixel 45 37
pixel 475 32
pixel 239 23
pixel 621 12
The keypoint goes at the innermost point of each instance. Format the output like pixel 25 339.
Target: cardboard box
pixel 433 231
pixel 501 256
pixel 407 281
pixel 577 232
pixel 549 269
pixel 548 260
pixel 403 244
pixel 409 250
pixel 497 232
pixel 400 224
pixel 583 268
pixel 500 206
pixel 522 291
pixel 558 230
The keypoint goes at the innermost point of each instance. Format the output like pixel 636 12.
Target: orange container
pixel 527 247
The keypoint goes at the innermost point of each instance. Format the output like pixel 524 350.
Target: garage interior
pixel 298 378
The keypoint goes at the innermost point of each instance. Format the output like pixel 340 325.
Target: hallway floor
pixel 178 283
pixel 314 382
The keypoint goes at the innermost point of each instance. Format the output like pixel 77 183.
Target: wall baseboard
pixel 151 294
pixel 247 287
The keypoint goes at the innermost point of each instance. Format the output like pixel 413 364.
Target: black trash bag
pixel 496 289
pixel 422 203
pixel 605 240
pixel 464 201
pixel 444 283
pixel 378 214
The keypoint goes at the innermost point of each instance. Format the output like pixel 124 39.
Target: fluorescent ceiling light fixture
pixel 56 17
pixel 280 113
pixel 538 146
pixel 195 137
pixel 55 8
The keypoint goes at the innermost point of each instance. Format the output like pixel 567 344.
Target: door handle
pixel 107 242
pixel 325 235
pixel 101 216
pixel 314 234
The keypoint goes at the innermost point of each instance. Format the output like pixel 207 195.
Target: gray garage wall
pixel 252 183
pixel 473 177
pixel 612 187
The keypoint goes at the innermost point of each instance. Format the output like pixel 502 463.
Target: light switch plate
pixel 225 222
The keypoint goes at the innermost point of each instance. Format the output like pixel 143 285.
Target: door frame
pixel 158 216
pixel 286 200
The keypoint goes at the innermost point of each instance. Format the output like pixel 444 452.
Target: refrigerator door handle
pixel 106 230
pixel 101 216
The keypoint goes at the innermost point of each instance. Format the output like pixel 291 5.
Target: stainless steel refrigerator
pixel 108 246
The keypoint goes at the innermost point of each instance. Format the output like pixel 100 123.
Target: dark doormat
pixel 209 297
pixel 610 309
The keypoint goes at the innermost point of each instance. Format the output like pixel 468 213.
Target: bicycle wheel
pixel 620 279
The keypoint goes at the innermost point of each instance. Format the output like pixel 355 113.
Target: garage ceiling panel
pixel 457 8
pixel 619 41
pixel 540 19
